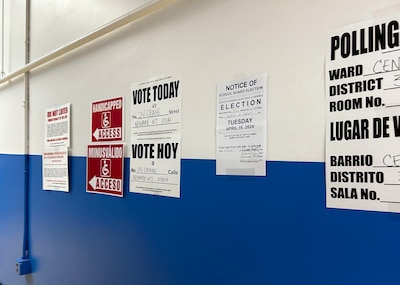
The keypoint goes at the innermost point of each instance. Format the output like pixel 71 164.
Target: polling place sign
pixel 363 116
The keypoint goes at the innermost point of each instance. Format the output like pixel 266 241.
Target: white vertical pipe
pixel 25 246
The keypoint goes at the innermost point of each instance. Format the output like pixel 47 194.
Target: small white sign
pixel 241 127
pixel 55 169
pixel 57 126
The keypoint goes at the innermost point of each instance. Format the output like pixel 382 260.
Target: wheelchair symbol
pixel 105 168
pixel 106 119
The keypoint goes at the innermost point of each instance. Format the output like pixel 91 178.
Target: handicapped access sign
pixel 107 120
pixel 105 165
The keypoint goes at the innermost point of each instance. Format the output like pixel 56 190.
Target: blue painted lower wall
pixel 223 230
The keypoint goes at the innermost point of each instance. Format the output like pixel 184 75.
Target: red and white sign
pixel 57 127
pixel 105 165
pixel 107 120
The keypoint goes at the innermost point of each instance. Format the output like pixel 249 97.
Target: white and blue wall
pixel 224 229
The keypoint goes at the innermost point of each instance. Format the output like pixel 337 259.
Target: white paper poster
pixel 156 137
pixel 363 116
pixel 57 126
pixel 55 169
pixel 241 127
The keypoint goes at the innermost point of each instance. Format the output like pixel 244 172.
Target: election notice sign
pixel 241 127
pixel 156 137
pixel 57 126
pixel 107 120
pixel 363 116
pixel 105 167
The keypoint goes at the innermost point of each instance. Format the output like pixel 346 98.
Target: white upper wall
pixel 205 42
pixel 12 94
